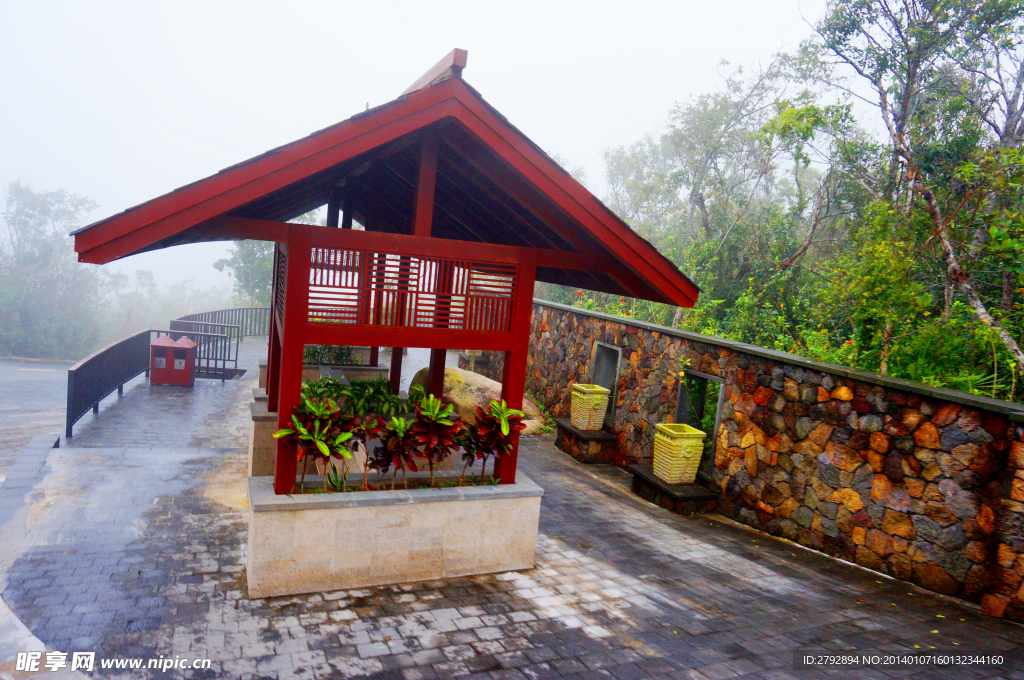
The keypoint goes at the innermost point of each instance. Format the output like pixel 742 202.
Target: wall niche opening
pixel 699 405
pixel 606 374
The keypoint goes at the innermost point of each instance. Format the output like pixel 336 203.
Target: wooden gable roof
pixel 493 185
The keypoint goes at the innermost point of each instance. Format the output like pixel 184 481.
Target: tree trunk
pixel 883 366
pixel 963 279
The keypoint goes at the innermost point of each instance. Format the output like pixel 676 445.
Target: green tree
pixel 48 301
pixel 251 265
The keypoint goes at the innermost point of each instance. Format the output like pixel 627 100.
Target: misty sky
pixel 123 101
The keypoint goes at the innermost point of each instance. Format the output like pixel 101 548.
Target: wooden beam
pixel 452 63
pixel 515 187
pixel 490 201
pixel 122 235
pixel 320 333
pixel 615 236
pixel 404 244
pixel 425 184
pixel 244 228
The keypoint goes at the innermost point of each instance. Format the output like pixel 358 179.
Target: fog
pixel 124 101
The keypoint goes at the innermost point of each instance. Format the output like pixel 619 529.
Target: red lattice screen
pixel 359 287
pixel 280 271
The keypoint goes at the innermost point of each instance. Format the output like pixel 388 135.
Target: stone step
pixel 684 499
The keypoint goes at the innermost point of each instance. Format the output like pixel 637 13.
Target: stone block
pixel 262 445
pixel 387 537
pixel 946 414
pixel 927 436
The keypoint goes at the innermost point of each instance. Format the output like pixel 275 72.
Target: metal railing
pixel 95 377
pixel 98 375
pixel 251 321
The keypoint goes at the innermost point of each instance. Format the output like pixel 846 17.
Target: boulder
pixel 466 390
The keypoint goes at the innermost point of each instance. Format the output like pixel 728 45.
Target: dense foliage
pixel 857 202
pixel 52 306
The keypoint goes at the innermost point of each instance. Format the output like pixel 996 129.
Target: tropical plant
pixel 324 388
pixel 417 393
pixel 470 443
pixel 399 444
pixel 437 434
pixel 318 435
pixel 497 428
pixel 372 396
pixel 363 428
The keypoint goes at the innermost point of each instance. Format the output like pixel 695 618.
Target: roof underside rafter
pixel 492 186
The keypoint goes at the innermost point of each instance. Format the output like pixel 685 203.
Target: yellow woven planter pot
pixel 677 452
pixel 589 404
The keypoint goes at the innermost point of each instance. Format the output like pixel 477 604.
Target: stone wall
pixel 485 362
pixel 921 483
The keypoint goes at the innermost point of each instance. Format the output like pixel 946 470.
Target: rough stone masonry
pixel 920 483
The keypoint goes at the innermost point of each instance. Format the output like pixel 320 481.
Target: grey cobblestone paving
pixel 140 552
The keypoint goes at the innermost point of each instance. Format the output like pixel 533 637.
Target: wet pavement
pixel 131 546
pixel 32 399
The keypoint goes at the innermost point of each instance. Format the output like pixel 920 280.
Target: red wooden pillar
pixel 296 311
pixel 426 181
pixel 374 356
pixel 513 379
pixel 443 292
pixel 435 384
pixel 396 369
pixel 423 220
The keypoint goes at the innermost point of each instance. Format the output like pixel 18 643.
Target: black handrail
pixel 252 321
pixel 97 376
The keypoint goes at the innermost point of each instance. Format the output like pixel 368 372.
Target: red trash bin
pixel 172 362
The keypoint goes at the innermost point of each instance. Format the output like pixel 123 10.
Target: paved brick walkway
pixel 139 551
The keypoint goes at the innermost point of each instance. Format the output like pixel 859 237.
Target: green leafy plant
pixel 364 428
pixel 436 433
pixel 470 443
pixel 324 388
pixel 399 445
pixel 316 429
pixel 372 396
pixel 417 393
pixel 496 430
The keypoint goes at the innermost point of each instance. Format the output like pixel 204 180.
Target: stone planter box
pixel 262 445
pixel 386 537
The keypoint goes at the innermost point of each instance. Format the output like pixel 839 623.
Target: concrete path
pixel 137 550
